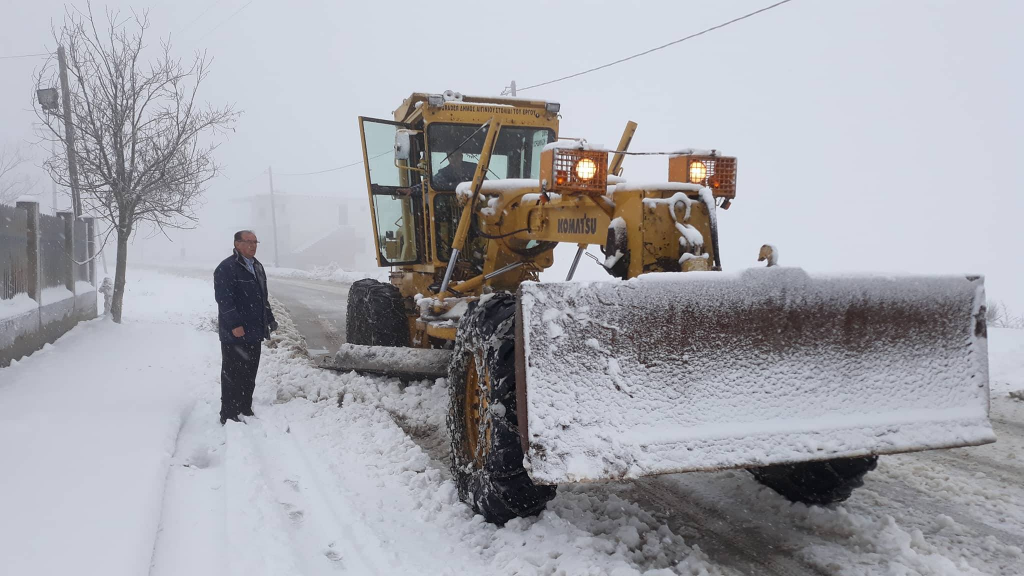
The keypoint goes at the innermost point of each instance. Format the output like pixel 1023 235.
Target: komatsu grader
pixel 670 365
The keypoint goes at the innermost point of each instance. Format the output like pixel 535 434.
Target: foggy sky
pixel 871 135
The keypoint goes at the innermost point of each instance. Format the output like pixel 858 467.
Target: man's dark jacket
pixel 242 300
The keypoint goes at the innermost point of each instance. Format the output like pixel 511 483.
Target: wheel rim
pixel 474 410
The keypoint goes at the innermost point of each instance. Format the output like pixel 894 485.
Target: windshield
pixel 455 152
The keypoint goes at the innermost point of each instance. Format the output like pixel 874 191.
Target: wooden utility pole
pixel 273 212
pixel 69 132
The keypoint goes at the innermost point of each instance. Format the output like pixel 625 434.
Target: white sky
pixel 872 135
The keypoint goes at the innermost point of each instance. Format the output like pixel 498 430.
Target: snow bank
pixel 20 304
pixel 55 294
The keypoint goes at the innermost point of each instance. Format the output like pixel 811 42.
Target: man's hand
pixel 238 332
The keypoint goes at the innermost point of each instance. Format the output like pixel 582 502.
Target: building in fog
pixel 311 230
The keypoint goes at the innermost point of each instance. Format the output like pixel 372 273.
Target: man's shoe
pixel 247 412
pixel 224 420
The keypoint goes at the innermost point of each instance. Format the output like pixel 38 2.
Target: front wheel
pixel 375 315
pixel 487 457
pixel 824 482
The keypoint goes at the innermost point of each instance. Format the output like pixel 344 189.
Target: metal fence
pixel 81 250
pixel 51 250
pixel 13 251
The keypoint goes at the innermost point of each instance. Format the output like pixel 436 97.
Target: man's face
pixel 247 245
pixel 455 160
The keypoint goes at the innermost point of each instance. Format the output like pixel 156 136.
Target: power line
pixel 247 182
pixel 646 52
pixel 196 19
pixel 225 21
pixel 335 169
pixel 23 56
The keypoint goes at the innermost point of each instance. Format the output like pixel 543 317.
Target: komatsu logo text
pixel 577 225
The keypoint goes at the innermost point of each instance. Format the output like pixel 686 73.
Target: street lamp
pixel 49 99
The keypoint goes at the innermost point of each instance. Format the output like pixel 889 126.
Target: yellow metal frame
pixel 522 225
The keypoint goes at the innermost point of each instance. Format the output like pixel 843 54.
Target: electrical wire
pixel 663 46
pixel 23 56
pixel 335 169
pixel 225 21
pixel 196 19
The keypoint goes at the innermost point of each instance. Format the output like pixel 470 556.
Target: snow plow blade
pixel 405 363
pixel 707 370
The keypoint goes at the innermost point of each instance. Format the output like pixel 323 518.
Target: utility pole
pixel 273 212
pixel 69 132
pixel 512 88
pixel 53 153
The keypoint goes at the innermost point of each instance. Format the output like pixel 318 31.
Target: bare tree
pixel 999 316
pixel 12 184
pixel 144 144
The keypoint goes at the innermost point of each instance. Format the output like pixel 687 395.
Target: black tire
pixel 490 478
pixel 375 315
pixel 825 482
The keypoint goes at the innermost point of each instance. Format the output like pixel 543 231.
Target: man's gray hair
pixel 238 235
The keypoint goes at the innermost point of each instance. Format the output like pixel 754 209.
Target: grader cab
pixel 671 365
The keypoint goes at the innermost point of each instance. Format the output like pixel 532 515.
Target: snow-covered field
pixel 115 463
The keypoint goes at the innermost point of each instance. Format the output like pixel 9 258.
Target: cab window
pixel 396 228
pixel 455 152
pixel 394 196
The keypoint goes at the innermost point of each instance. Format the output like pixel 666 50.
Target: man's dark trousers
pixel 239 362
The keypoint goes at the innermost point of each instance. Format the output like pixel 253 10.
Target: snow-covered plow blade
pixel 405 363
pixel 706 370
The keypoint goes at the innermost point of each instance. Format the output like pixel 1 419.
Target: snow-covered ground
pixel 115 463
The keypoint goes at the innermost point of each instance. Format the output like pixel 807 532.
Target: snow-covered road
pixel 347 474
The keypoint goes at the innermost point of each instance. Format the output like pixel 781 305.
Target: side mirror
pixel 403 144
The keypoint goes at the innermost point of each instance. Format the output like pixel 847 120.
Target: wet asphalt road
pixel 317 308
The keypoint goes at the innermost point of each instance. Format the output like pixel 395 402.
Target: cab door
pixel 395 196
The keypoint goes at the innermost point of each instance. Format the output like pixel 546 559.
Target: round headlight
pixel 698 171
pixel 586 169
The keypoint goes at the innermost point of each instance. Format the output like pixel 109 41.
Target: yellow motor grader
pixel 670 365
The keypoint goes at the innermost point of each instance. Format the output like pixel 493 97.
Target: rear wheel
pixel 375 315
pixel 823 482
pixel 487 457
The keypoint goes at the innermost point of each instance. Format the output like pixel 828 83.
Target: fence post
pixel 69 250
pixel 90 235
pixel 34 281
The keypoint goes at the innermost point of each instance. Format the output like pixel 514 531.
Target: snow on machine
pixel 669 366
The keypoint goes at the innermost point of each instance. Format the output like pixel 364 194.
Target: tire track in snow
pixel 324 540
pixel 176 456
pixel 727 540
pixel 192 528
pixel 256 532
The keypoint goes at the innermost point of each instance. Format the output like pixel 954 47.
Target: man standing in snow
pixel 244 321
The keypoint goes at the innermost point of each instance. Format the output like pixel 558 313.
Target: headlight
pixel 705 168
pixel 698 171
pixel 586 169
